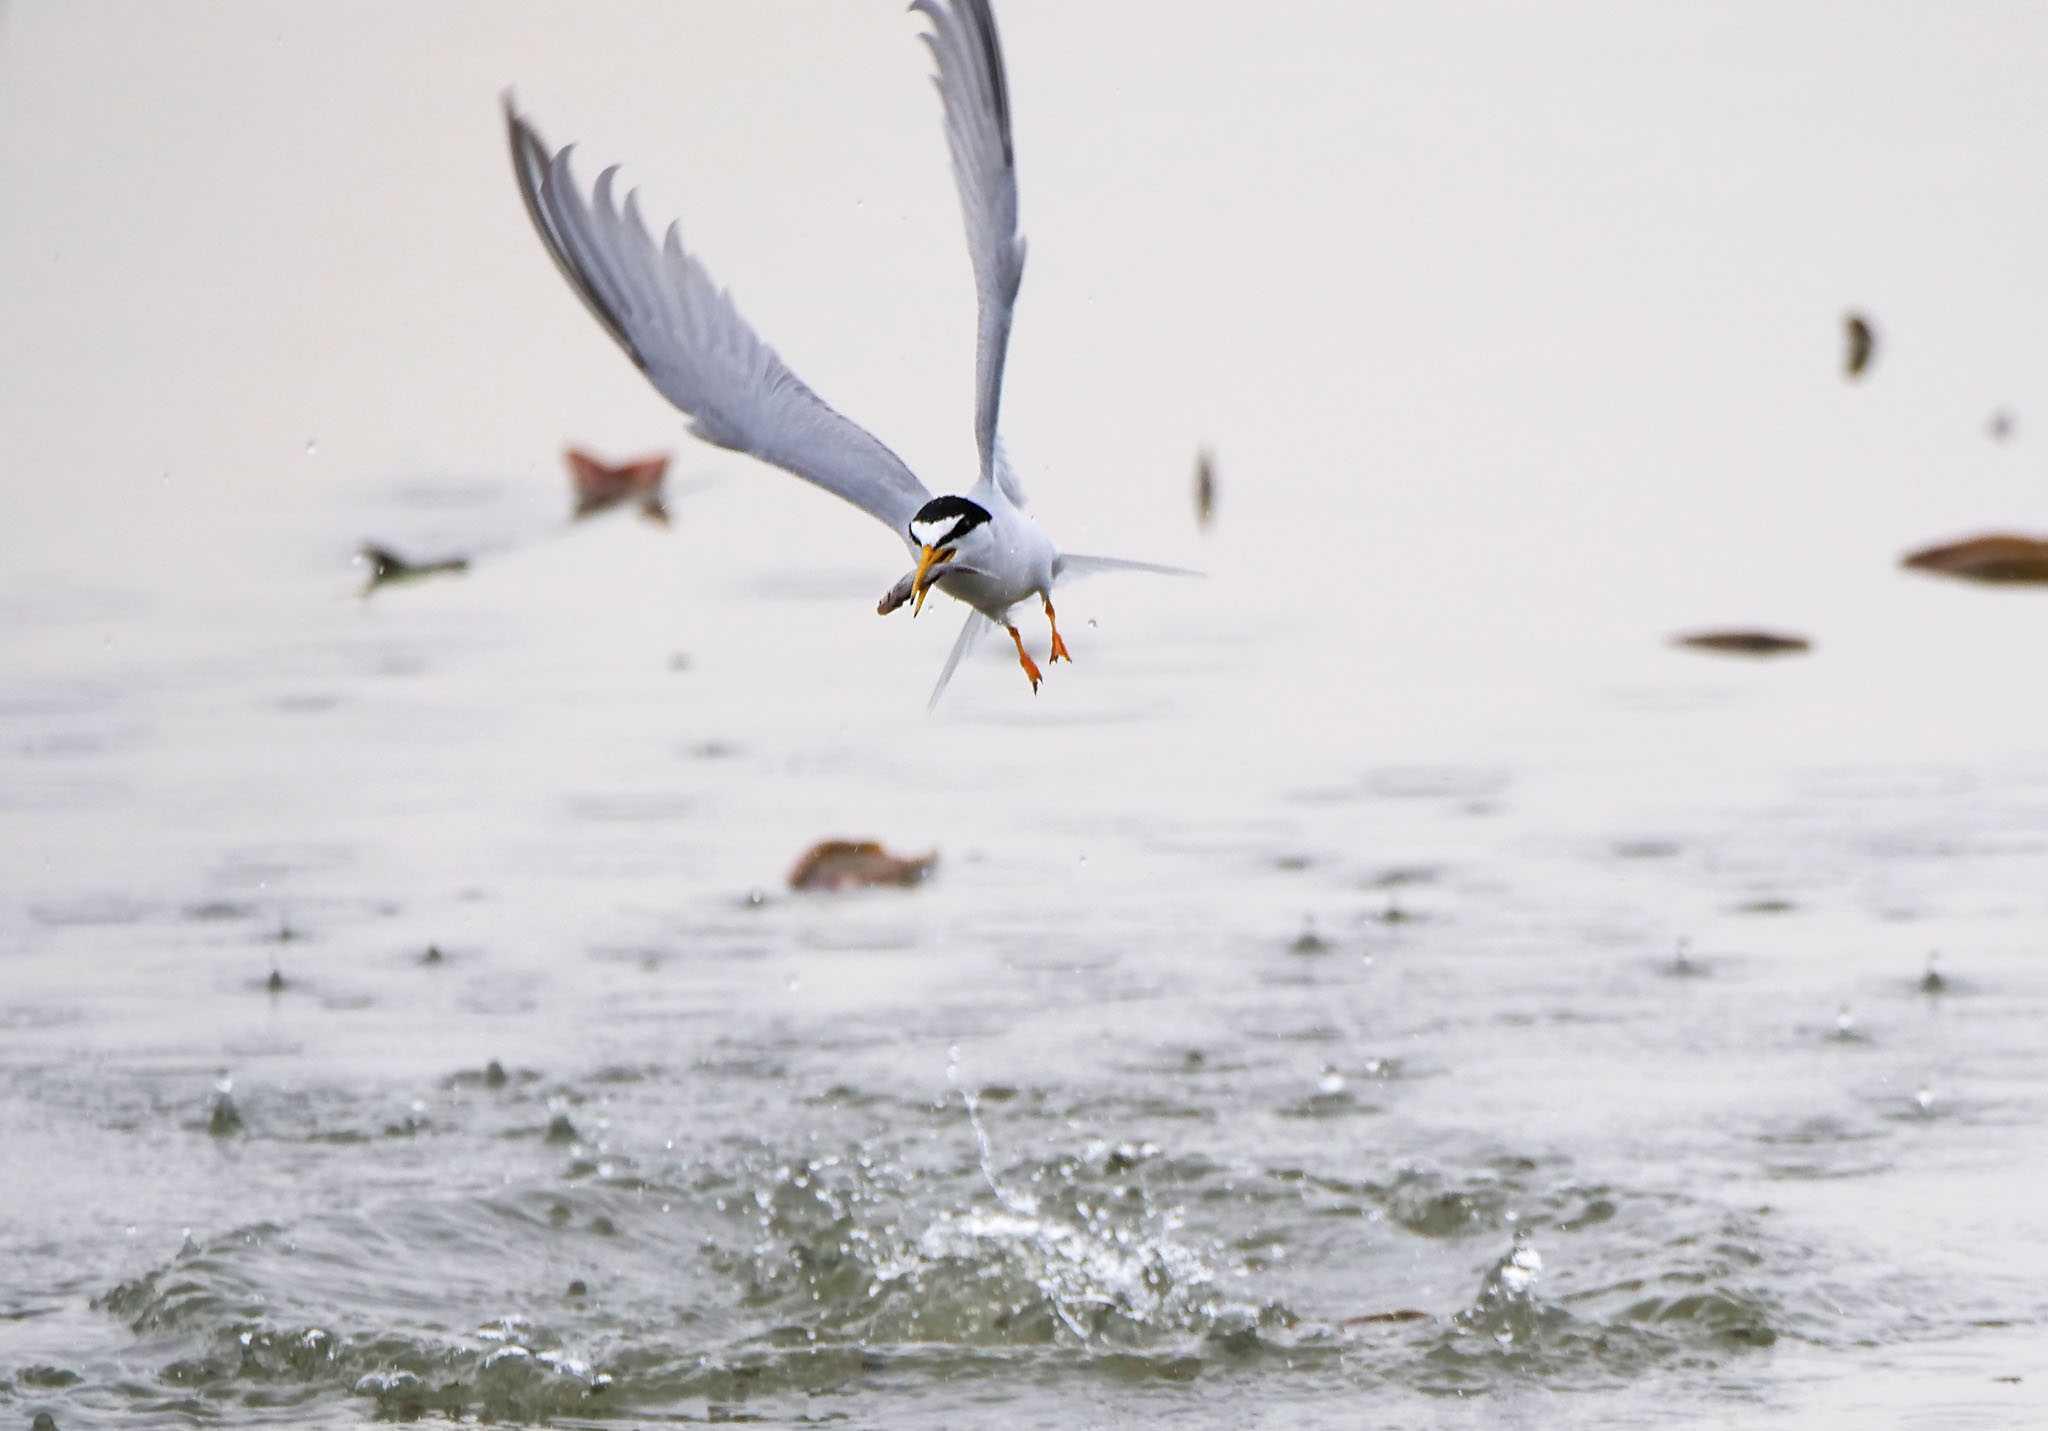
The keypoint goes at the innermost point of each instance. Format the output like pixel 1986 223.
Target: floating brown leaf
pixel 858 864
pixel 1994 557
pixel 1744 643
pixel 1862 344
pixel 601 485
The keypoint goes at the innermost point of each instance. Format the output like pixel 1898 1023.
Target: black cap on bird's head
pixel 937 528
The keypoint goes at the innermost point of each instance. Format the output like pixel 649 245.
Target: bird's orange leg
pixel 1024 657
pixel 1059 647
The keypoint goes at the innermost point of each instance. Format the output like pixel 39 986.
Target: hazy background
pixel 1516 331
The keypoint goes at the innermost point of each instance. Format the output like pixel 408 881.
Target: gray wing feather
pixel 977 626
pixel 1072 567
pixel 684 333
pixel 976 96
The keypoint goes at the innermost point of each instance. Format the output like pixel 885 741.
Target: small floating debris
pixel 1933 981
pixel 494 1075
pixel 1308 941
pixel 1996 557
pixel 561 1130
pixel 858 864
pixel 46 1422
pixel 388 567
pixel 1646 849
pixel 1859 345
pixel 1744 642
pixel 225 1120
pixel 2002 425
pixel 1205 487
pixel 579 1288
pixel 208 911
pixel 433 955
pixel 1374 1319
pixel 600 485
pixel 1395 913
pixel 275 984
pixel 1683 965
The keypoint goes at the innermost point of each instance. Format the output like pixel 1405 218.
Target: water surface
pixel 1384 980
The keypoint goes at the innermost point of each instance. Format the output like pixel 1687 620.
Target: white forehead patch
pixel 929 533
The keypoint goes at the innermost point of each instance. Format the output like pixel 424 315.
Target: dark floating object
pixel 494 1075
pixel 561 1130
pixel 2003 557
pixel 601 486
pixel 2002 425
pixel 1862 344
pixel 226 1120
pixel 275 983
pixel 433 955
pixel 579 1288
pixel 1744 643
pixel 387 566
pixel 1395 914
pixel 858 864
pixel 46 1422
pixel 1373 1319
pixel 1933 981
pixel 1205 487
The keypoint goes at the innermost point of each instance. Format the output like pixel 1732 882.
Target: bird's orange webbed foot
pixel 1024 658
pixel 1059 646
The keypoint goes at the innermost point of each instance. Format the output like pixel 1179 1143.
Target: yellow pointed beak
pixel 932 557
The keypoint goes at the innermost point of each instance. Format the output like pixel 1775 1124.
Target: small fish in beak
pixel 933 556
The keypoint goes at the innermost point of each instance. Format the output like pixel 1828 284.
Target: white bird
pixel 982 548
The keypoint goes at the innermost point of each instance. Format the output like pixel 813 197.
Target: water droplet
pixel 1924 1100
pixel 1331 1082
pixel 312 447
pixel 1845 1023
pixel 1518 1274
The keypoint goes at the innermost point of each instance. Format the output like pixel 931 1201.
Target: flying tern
pixel 658 302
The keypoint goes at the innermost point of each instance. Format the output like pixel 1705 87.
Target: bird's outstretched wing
pixel 684 333
pixel 977 626
pixel 976 96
